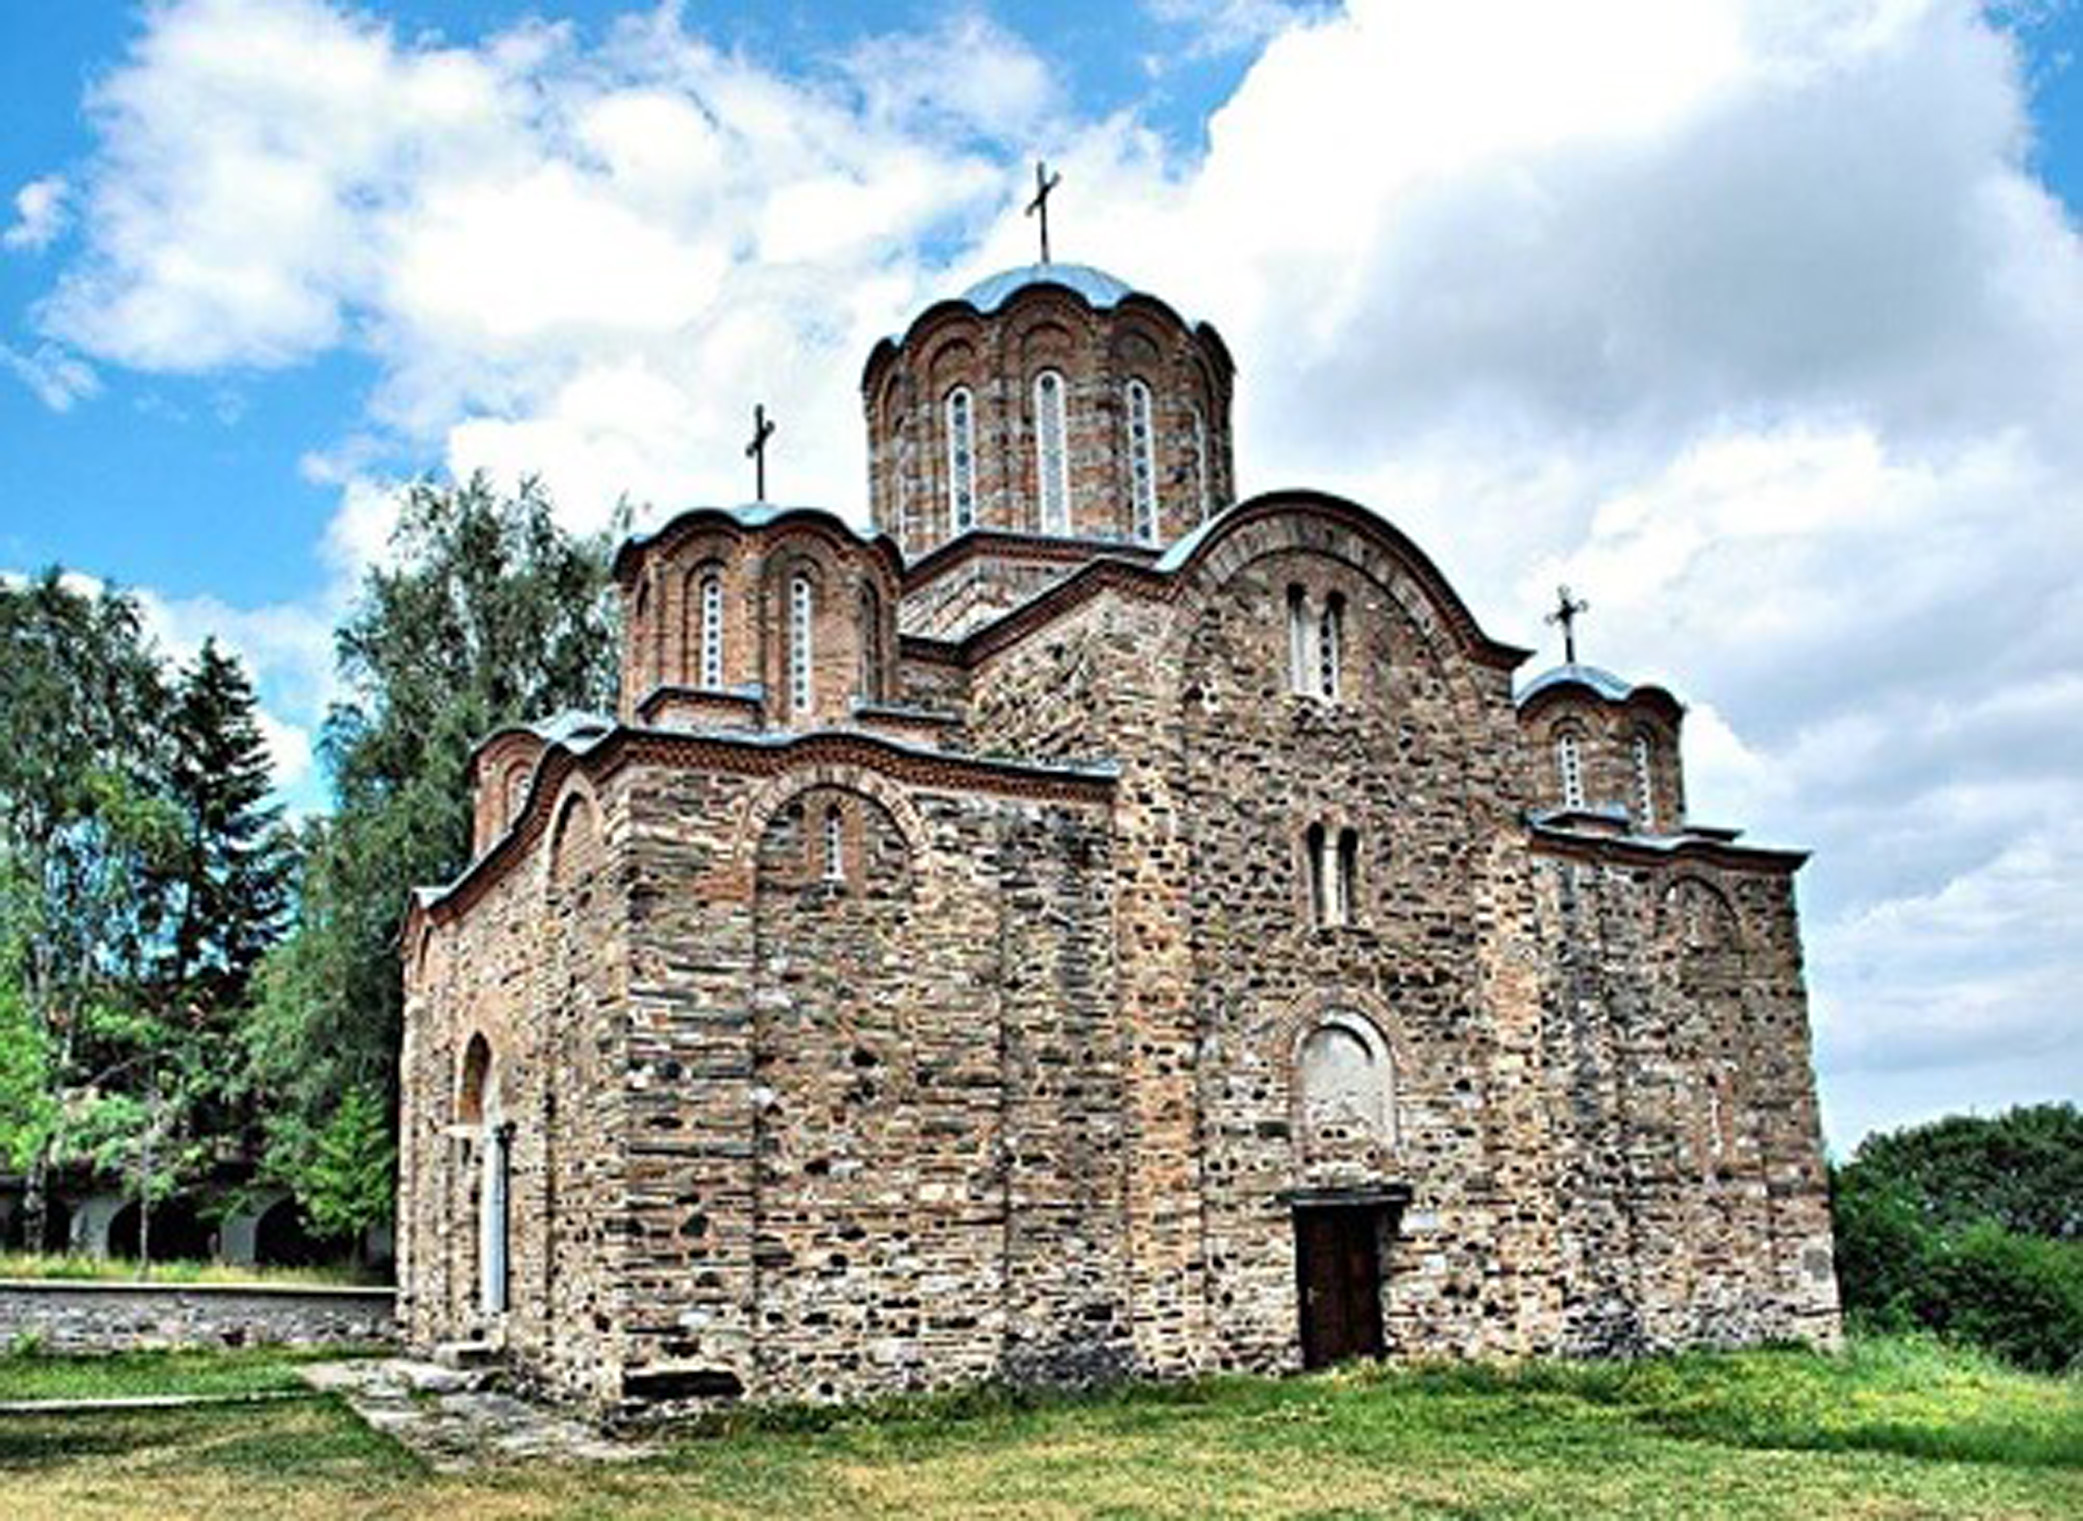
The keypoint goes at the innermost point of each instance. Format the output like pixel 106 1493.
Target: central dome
pixel 1049 400
pixel 1099 288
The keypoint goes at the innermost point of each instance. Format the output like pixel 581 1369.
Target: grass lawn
pixel 78 1266
pixel 243 1370
pixel 1892 1429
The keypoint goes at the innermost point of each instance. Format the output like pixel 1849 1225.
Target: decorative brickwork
pixel 1057 987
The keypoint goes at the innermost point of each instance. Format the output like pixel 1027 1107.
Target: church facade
pixel 1086 925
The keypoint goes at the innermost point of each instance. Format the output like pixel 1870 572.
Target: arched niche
pixel 828 835
pixel 1698 918
pixel 575 841
pixel 1344 1086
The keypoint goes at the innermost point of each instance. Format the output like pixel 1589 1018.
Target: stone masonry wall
pixel 834 1067
pixel 872 1107
pixel 533 968
pixel 1694 1200
pixel 1416 757
pixel 122 1317
pixel 997 358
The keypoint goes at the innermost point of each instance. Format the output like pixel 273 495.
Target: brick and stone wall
pixel 1695 1205
pixel 93 1316
pixel 534 971
pixel 830 1065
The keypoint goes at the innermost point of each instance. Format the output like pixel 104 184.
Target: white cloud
pixel 1745 317
pixel 1229 26
pixel 39 214
pixel 57 378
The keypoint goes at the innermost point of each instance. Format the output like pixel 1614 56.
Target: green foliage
pixel 232 869
pixel 489 615
pixel 28 1097
pixel 354 1163
pixel 2022 1169
pixel 1967 1228
pixel 78 1266
pixel 139 882
pixel 129 1375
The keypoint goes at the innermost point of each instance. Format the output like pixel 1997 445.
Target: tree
pixel 2022 1169
pixel 491 614
pixel 1968 1227
pixel 353 1169
pixel 82 839
pixel 233 875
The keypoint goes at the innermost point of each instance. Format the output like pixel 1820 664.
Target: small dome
pixel 1099 288
pixel 1603 682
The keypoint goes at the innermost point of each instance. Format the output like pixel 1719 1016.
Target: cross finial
pixel 1566 610
pixel 756 451
pixel 1044 182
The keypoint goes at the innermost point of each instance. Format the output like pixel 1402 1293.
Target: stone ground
pixel 456 1419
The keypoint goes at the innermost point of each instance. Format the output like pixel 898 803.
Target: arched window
pixel 871 645
pixel 473 1080
pixel 517 776
pixel 801 607
pixel 1298 641
pixel 835 845
pixel 711 603
pixel 1330 647
pixel 1645 783
pixel 1051 458
pixel 1142 462
pixel 961 460
pixel 477 1103
pixel 1319 879
pixel 1204 488
pixel 1569 769
pixel 1333 862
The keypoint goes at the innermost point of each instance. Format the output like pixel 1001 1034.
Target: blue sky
pixel 1761 321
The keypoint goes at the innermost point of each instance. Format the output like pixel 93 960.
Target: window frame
pixel 1052 451
pixel 1644 749
pixel 802 624
pixel 1569 767
pixel 1139 420
pixel 709 626
pixel 958 422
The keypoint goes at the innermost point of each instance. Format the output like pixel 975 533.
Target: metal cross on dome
pixel 1044 182
pixel 1566 610
pixel 756 451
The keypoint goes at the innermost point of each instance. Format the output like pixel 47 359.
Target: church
pixel 1084 925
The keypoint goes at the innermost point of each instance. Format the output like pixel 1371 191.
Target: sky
pixel 1757 322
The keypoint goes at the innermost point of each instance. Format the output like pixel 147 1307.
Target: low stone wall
pixel 81 1315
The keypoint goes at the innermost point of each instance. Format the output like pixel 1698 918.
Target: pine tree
pixel 234 887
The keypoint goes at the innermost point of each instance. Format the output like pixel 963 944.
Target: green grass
pixel 230 1371
pixel 1890 1429
pixel 73 1266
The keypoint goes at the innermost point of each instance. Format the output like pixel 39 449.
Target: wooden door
pixel 1338 1276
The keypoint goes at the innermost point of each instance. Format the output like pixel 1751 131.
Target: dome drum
pixel 1053 400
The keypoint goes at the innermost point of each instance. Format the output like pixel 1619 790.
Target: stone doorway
pixel 1338 1281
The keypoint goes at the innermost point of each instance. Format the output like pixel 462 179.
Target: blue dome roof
pixel 1603 682
pixel 1095 285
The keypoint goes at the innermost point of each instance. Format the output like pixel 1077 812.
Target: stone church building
pixel 1089 925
